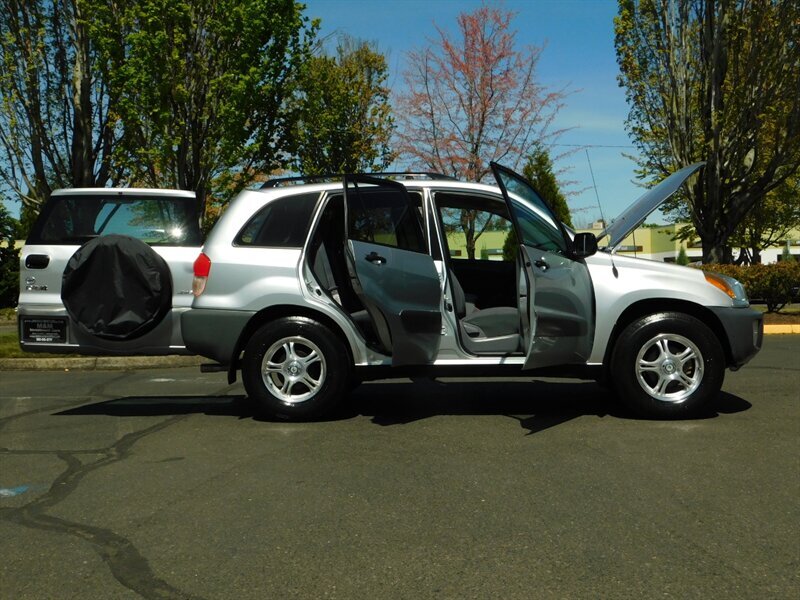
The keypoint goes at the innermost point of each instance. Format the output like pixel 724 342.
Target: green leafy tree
pixel 57 123
pixel 539 171
pixel 769 221
pixel 9 259
pixel 345 119
pixel 713 80
pixel 205 88
pixel 682 258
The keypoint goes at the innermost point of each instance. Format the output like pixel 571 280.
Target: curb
pixel 781 329
pixel 110 363
pixel 99 363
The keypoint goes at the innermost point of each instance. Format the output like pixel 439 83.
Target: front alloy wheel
pixel 667 365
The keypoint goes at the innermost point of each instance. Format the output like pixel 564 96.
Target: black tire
pixel 667 365
pixel 294 389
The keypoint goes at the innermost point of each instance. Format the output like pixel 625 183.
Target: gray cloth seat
pixel 496 321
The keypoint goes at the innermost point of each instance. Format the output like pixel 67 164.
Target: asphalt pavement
pixel 161 483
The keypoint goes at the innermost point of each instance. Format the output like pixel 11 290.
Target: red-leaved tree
pixel 473 98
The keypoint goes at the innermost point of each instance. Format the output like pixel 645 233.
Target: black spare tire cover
pixel 116 287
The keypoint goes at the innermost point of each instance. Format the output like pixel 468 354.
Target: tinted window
pixel 385 215
pixel 538 232
pixel 283 223
pixel 155 220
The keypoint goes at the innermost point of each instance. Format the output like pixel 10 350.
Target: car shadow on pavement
pixel 156 406
pixel 537 405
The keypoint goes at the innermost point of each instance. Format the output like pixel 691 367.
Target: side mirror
pixel 583 245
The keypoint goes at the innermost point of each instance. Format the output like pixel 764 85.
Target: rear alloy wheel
pixel 667 365
pixel 295 368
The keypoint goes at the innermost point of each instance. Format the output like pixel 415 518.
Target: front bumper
pixel 744 328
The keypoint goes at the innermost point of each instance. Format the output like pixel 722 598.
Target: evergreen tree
pixel 539 171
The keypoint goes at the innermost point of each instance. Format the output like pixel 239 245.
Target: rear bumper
pixel 164 340
pixel 745 330
pixel 214 333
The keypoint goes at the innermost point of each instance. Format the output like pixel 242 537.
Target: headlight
pixel 730 286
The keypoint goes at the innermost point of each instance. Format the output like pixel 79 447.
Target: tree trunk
pixel 82 143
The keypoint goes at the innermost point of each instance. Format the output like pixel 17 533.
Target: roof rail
pixel 399 175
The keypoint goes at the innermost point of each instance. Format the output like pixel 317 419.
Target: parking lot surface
pixel 163 484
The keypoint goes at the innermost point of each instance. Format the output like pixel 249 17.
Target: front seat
pixel 491 330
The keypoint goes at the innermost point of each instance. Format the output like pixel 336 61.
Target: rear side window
pixel 155 220
pixel 386 216
pixel 283 223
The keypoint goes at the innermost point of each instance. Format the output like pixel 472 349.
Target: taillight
pixel 202 267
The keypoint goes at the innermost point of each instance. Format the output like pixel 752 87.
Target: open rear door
pixel 391 270
pixel 560 300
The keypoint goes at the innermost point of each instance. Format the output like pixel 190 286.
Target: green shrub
pixel 9 260
pixel 774 284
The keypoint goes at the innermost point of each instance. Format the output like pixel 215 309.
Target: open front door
pixel 560 298
pixel 391 270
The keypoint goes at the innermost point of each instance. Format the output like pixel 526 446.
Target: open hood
pixel 637 212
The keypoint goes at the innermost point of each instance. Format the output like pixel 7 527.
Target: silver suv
pixel 108 272
pixel 312 288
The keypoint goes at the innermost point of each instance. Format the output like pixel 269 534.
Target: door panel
pixel 561 318
pixel 390 269
pixel 560 296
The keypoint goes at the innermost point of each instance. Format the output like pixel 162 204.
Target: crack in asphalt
pixel 126 563
pixel 95 392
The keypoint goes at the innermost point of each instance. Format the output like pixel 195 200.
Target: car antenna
pixel 600 206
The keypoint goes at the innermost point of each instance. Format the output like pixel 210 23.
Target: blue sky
pixel 579 53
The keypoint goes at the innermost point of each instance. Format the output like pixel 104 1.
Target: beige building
pixel 652 243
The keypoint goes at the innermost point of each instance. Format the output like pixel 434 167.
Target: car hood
pixel 637 212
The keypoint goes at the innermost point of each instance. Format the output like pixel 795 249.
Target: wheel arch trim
pixel 654 306
pixel 271 313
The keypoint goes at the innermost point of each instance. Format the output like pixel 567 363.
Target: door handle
pixel 542 264
pixel 375 258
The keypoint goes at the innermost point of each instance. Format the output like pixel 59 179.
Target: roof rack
pixel 399 175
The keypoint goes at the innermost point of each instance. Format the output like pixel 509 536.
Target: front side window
pixel 536 231
pixel 536 222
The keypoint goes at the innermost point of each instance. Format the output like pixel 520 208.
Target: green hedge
pixel 775 284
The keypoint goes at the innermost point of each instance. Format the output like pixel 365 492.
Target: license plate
pixel 51 331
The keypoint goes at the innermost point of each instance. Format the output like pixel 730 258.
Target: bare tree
pixel 474 98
